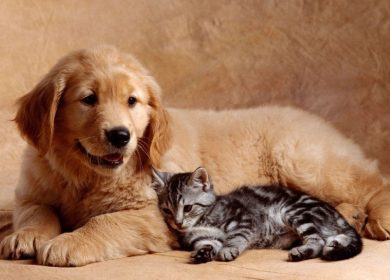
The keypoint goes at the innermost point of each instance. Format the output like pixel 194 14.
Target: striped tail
pixel 342 246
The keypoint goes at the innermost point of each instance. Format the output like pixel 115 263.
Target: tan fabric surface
pixel 329 57
pixel 260 264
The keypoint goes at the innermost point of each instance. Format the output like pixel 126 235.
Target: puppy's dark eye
pixel 90 99
pixel 187 208
pixel 167 211
pixel 132 100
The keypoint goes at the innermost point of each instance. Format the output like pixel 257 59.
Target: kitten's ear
pixel 200 178
pixel 160 180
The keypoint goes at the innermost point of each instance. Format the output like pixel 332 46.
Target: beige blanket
pixel 329 57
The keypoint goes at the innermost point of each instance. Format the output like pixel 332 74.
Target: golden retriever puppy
pixel 95 126
pixel 92 123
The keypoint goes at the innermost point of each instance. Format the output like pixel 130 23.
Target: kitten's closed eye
pixel 167 211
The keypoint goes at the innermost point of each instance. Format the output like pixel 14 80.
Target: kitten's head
pixel 183 197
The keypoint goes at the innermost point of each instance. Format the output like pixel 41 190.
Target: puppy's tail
pixel 378 210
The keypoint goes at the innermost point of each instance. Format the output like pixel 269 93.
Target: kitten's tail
pixel 342 246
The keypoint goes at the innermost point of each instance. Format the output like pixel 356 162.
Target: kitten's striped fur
pixel 222 227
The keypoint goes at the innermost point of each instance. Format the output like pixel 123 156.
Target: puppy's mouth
pixel 108 161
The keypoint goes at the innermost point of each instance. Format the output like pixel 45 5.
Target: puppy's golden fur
pixel 110 211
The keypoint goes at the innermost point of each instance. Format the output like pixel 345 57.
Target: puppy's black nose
pixel 118 136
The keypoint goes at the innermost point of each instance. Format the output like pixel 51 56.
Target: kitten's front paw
pixel 204 254
pixel 228 254
pixel 69 249
pixel 21 244
pixel 303 252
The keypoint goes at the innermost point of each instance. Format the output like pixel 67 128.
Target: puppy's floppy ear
pixel 159 133
pixel 37 110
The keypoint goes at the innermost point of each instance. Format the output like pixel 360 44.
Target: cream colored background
pixel 329 57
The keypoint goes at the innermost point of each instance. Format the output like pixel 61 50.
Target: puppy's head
pixel 98 107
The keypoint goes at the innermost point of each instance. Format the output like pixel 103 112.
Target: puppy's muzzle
pixel 118 136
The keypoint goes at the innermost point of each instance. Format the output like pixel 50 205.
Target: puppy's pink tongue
pixel 113 157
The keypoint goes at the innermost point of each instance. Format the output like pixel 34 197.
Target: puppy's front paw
pixel 69 249
pixel 21 244
pixel 204 254
pixel 375 230
pixel 228 254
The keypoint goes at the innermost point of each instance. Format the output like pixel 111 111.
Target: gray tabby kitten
pixel 222 227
